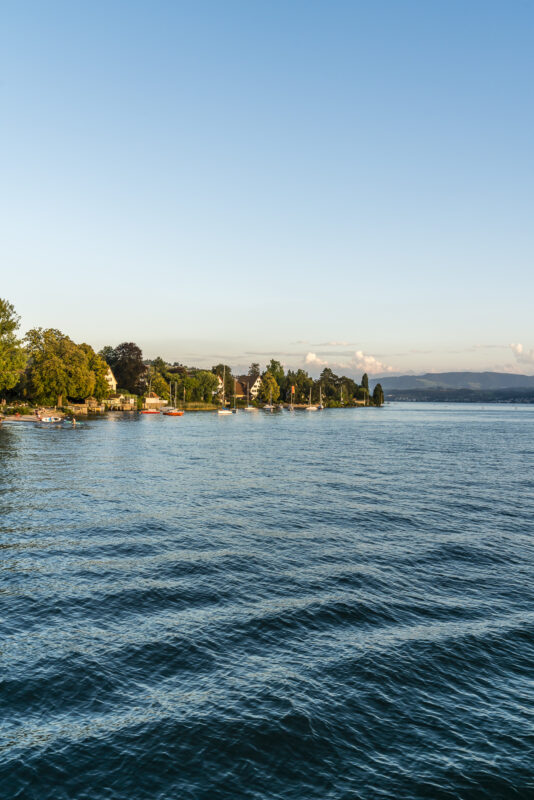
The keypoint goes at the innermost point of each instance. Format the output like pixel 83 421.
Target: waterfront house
pixel 153 401
pixel 240 389
pixel 253 384
pixel 122 402
pixel 111 381
pixel 93 404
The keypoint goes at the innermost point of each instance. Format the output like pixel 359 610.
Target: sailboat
pixel 309 407
pixel 223 410
pixel 172 410
pixel 269 406
pixel 234 409
pixel 248 407
pixel 320 406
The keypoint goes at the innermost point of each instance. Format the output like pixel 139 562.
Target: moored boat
pixel 310 407
pixel 173 410
pixel 248 407
pixel 223 411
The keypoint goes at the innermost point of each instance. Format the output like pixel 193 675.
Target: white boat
pixel 269 406
pixel 248 407
pixel 173 410
pixel 223 411
pixel 310 407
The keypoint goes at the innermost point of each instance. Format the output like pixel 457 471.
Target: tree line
pixel 276 384
pixel 46 367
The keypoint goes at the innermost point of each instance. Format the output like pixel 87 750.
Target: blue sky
pixel 347 183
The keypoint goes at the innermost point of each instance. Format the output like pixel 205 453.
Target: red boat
pixel 150 411
pixel 173 410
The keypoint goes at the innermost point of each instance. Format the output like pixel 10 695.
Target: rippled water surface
pixel 333 605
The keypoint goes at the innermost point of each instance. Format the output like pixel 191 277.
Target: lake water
pixel 335 605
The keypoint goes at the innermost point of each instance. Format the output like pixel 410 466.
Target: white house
pixel 252 383
pixel 110 379
pixel 153 401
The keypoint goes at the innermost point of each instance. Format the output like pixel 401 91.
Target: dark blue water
pixel 333 605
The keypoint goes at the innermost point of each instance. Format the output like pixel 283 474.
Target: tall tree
pixel 269 389
pixel 378 395
pixel 107 354
pixel 160 366
pixel 254 370
pixel 99 367
pixel 276 369
pixel 12 356
pixel 126 361
pixel 365 381
pixel 329 383
pixel 58 368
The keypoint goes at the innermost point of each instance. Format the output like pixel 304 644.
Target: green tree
pixel 224 369
pixel 329 383
pixel 99 367
pixel 276 369
pixel 208 386
pixel 302 383
pixel 159 365
pixel 126 361
pixel 160 386
pixel 269 388
pixel 107 354
pixel 365 381
pixel 254 370
pixel 378 395
pixel 58 368
pixel 350 389
pixel 12 356
pixel 363 394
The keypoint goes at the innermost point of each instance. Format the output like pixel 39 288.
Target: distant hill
pixel 475 381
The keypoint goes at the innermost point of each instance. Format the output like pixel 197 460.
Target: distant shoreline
pixel 507 396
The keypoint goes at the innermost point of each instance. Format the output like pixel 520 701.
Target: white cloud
pixel 370 364
pixel 522 356
pixel 333 344
pixel 356 362
pixel 314 361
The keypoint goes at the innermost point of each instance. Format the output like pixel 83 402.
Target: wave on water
pixel 332 608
